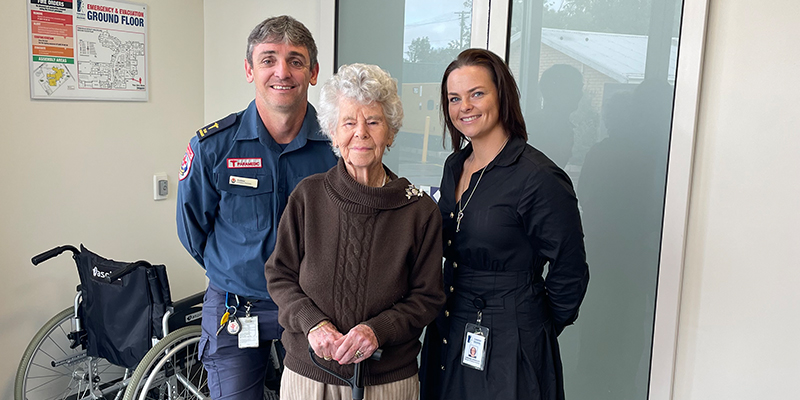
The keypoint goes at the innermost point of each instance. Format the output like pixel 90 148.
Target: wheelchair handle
pixel 40 258
pixel 356 382
pixel 125 271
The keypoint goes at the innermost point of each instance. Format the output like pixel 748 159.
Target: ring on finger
pixel 359 354
pixel 327 358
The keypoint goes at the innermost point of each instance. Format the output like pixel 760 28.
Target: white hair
pixel 365 84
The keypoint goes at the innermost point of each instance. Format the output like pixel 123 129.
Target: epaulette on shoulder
pixel 215 127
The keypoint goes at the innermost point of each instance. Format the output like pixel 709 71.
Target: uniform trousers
pixel 235 373
pixel 297 387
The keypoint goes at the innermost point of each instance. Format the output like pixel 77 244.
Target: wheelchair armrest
pixel 186 311
pixel 187 302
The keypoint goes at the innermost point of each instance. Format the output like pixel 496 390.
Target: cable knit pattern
pixel 353 255
pixel 352 265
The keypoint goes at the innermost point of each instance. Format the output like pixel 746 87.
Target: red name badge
pixel 244 163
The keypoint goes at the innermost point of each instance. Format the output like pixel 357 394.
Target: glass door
pixel 597 80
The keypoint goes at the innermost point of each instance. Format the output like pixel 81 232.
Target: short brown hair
pixel 282 29
pixel 507 92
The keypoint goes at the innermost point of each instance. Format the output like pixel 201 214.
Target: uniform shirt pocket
pixel 243 205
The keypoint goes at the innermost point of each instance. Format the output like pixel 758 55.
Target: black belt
pixel 480 303
pixel 242 300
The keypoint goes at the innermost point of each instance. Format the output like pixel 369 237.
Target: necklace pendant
pixel 458 220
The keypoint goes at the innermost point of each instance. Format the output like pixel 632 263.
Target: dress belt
pixel 489 279
pixel 492 277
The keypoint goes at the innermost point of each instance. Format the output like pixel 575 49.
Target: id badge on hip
pixel 476 339
pixel 248 336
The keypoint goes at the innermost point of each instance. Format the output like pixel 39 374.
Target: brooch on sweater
pixel 412 190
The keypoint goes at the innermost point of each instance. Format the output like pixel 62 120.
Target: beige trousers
pixel 297 387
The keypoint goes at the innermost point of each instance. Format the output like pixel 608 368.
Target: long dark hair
pixel 507 92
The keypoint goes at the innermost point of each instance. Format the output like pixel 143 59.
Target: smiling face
pixel 473 104
pixel 281 73
pixel 361 135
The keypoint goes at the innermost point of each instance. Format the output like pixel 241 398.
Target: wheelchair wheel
pixel 50 369
pixel 171 370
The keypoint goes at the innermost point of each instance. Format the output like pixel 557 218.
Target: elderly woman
pixel 357 264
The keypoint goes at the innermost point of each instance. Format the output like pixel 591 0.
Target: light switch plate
pixel 160 186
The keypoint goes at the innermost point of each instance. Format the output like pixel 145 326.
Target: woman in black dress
pixel 507 211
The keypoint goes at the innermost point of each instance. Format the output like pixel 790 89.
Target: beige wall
pixel 740 312
pixel 82 171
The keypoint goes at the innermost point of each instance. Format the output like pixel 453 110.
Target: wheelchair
pixel 71 359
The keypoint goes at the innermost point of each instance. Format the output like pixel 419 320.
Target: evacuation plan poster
pixel 88 50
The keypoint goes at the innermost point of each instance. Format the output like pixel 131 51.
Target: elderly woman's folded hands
pixel 329 344
pixel 358 345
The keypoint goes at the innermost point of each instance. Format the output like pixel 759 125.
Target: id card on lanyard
pixel 476 340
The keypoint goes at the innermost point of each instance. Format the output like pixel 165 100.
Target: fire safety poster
pixel 88 50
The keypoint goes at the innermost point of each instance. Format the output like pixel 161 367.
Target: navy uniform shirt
pixel 234 184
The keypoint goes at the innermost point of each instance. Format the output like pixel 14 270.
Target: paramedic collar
pixel 252 128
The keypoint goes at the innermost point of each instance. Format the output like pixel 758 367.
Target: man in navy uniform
pixel 235 179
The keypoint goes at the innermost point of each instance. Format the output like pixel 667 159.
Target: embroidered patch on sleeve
pixel 186 163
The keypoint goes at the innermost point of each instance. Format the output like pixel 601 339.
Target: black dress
pixel 523 214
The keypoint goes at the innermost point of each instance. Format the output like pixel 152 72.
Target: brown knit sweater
pixel 355 254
